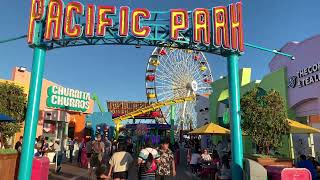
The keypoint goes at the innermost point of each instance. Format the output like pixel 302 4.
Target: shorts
pixel 120 175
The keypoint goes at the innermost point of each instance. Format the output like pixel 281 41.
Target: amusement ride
pixel 176 73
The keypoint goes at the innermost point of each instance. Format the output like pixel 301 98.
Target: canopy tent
pixel 210 129
pixel 4 117
pixel 299 128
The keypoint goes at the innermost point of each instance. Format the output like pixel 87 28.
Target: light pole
pixel 236 133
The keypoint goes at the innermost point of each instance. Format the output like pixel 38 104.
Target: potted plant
pixel 264 118
pixel 13 105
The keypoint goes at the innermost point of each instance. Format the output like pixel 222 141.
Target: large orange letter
pixel 90 20
pixel 201 26
pixel 71 29
pixel 36 14
pixel 235 11
pixel 54 17
pixel 178 21
pixel 136 30
pixel 221 26
pixel 124 21
pixel 103 21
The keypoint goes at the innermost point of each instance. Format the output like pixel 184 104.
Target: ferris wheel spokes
pixel 177 73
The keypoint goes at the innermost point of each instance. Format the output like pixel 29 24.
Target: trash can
pixel 40 168
pixel 296 174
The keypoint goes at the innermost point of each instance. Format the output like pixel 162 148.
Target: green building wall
pixel 275 80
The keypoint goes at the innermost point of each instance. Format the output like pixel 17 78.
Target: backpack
pixel 151 165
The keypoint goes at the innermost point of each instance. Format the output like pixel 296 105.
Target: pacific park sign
pixel 218 27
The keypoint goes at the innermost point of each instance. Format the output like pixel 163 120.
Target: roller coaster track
pixel 152 107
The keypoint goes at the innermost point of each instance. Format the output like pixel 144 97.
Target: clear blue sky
pixel 117 73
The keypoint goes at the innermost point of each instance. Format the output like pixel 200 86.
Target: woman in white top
pixel 120 163
pixel 205 156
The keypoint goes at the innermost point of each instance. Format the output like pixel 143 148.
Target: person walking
pixel 18 145
pixel 108 147
pixel 166 166
pixel 195 161
pixel 306 163
pixel 120 163
pixel 58 156
pixel 71 149
pixel 129 146
pixel 225 170
pixel 97 153
pixel 147 161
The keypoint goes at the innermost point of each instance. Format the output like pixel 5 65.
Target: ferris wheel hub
pixel 192 86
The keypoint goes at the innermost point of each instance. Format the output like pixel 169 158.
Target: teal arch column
pixel 31 121
pixel 235 126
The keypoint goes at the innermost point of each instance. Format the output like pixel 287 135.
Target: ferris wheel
pixel 175 73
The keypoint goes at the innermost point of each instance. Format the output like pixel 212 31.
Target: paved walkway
pixel 73 172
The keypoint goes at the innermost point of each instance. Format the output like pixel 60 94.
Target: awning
pixel 4 117
pixel 210 129
pixel 299 128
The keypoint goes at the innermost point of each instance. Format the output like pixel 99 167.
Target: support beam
pixel 172 117
pixel 31 122
pixel 236 133
pixel 291 147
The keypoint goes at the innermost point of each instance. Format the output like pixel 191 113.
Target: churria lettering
pixel 61 97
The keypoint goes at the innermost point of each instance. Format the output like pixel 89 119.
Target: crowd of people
pixel 113 159
pixel 154 163
pixel 215 163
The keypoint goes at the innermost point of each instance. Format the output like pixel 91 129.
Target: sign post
pixel 236 133
pixel 31 122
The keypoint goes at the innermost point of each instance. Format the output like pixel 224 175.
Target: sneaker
pixel 58 170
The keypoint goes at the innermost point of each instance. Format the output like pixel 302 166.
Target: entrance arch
pixel 217 30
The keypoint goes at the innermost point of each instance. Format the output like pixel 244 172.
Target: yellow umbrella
pixel 210 129
pixel 299 128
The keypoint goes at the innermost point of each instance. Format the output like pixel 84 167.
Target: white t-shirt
pixel 195 157
pixel 121 161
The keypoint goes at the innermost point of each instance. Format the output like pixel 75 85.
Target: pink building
pixel 303 75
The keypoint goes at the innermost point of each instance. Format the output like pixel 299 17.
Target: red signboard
pixel 119 108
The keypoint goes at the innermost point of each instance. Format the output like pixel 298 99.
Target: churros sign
pixel 215 27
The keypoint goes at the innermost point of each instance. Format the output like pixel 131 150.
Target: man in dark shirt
pixel 129 146
pixel 304 163
pixel 18 145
